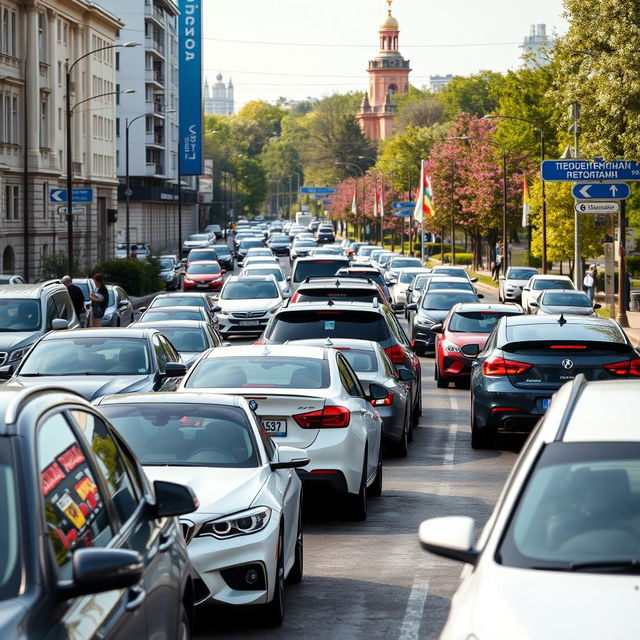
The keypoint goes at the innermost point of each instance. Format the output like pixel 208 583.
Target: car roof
pixel 258 278
pixel 29 290
pixel 549 276
pixel 201 262
pixel 323 258
pixel 338 282
pixel 99 332
pixel 553 319
pixel 333 305
pixel 466 307
pixel 239 351
pixel 180 307
pixel 187 397
pixel 173 324
pixel 453 279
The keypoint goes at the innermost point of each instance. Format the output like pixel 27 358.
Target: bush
pixel 461 258
pixel 431 248
pixel 633 265
pixel 136 277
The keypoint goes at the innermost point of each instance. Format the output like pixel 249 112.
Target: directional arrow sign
pixel 403 205
pixel 597 207
pixel 318 190
pixel 326 202
pixel 402 213
pixel 586 170
pixel 601 191
pixel 77 195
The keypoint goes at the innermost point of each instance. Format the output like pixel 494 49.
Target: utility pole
pixel 574 112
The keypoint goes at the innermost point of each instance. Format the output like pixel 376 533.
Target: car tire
pixel 273 612
pixel 420 351
pixel 480 439
pixel 416 410
pixel 297 570
pixel 375 490
pixel 356 503
pixel 401 448
pixel 184 626
pixel 441 383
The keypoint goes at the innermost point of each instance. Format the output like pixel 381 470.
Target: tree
pixel 256 123
pixel 252 183
pixel 424 112
pixel 476 95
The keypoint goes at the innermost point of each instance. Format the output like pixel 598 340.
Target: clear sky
pixel 323 46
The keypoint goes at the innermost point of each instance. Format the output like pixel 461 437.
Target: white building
pixel 36 38
pixel 535 45
pixel 218 99
pixel 439 83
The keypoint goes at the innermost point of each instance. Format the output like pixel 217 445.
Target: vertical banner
pixel 190 87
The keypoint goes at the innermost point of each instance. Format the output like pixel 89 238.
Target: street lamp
pixel 544 193
pixel 69 109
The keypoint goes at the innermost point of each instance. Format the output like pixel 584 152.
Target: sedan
pixel 405 278
pixel 539 283
pixel 175 313
pixel 169 271
pixel 280 244
pixel 563 531
pixel 202 275
pixel 266 269
pixel 511 283
pixel 245 540
pixel 399 262
pixel 570 302
pixel 119 311
pixel 306 397
pixel 185 299
pixel 301 249
pixel 196 241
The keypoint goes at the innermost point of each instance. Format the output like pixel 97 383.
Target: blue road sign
pixel 326 202
pixel 318 190
pixel 602 191
pixel 403 205
pixel 402 213
pixel 587 170
pixel 77 195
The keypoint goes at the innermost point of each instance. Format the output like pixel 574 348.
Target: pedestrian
pixel 589 282
pixel 99 300
pixel 77 299
pixel 497 260
pixel 627 291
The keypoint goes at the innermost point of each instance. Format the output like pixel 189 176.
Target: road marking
pixel 410 628
pixel 450 445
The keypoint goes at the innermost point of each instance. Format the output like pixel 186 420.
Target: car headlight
pixel 424 322
pixel 239 524
pixel 18 354
pixel 449 346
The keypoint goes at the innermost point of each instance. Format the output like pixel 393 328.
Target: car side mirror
pixel 377 392
pixel 6 372
pixel 412 307
pixel 597 305
pixel 290 458
pixel 476 279
pixel 436 328
pixel 175 370
pixel 173 499
pixel 480 295
pixel 123 304
pixel 533 303
pixel 59 324
pixel 404 374
pixel 526 288
pixel 216 309
pixel 142 309
pixel 470 351
pixel 288 278
pixel 450 537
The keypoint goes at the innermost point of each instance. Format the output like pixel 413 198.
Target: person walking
pixel 99 300
pixel 77 299
pixel 589 282
pixel 497 261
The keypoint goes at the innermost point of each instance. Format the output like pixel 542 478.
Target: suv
pixel 27 312
pixel 83 530
pixel 325 234
pixel 339 289
pixel 316 266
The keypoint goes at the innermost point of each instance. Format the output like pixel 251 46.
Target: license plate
pixel 545 403
pixel 275 428
pixel 249 323
pixel 203 286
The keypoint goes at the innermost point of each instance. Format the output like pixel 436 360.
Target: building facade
pixel 439 83
pixel 36 40
pixel 388 74
pixel 218 99
pixel 535 45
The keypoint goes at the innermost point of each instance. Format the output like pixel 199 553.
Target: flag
pixel 381 203
pixel 375 202
pixel 526 202
pixel 424 201
pixel 354 204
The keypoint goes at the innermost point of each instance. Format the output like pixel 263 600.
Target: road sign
pixel 587 170
pixel 74 210
pixel 326 201
pixel 402 213
pixel 319 190
pixel 403 205
pixel 597 207
pixel 77 195
pixel 601 191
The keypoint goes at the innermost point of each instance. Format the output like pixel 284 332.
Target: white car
pixel 196 241
pixel 254 260
pixel 510 284
pixel 245 539
pixel 405 278
pixel 259 251
pixel 399 262
pixel 559 556
pixel 306 397
pixel 265 269
pixel 539 283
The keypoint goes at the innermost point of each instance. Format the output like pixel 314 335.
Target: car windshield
pixel 419 281
pixel 177 300
pixel 516 273
pixel 399 263
pixel 166 264
pixel 260 371
pixel 208 254
pixel 199 237
pixel 250 243
pixel 376 276
pixel 406 277
pixel 153 315
pixel 304 243
pixel 474 321
pixel 279 238
pixel 222 250
pixel 9 535
pixel 456 272
pixel 185 435
pixel 440 284
pixel 441 301
pixel 540 285
pixel 566 299
pixel 91 356
pixel 266 272
pixel 360 360
pixel 19 315
pixel 186 339
pixel 319 267
pixel 365 251
pixel 258 290
pixel 259 251
pixel 206 268
pixel 351 294
pixel 384 259
pixel 578 511
pixel 301 325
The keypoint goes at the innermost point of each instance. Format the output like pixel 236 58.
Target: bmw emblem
pixel 567 364
pixel 253 405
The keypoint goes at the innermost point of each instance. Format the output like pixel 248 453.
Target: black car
pixel 90 548
pixel 97 362
pixel 527 358
pixel 209 254
pixel 280 244
pixel 325 234
pixel 225 257
pixel 338 290
pixel 245 245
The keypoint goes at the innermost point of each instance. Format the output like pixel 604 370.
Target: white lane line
pixel 450 445
pixel 410 628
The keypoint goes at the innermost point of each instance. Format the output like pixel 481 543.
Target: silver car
pixel 568 302
pixel 510 285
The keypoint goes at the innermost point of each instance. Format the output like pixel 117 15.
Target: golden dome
pixel 390 23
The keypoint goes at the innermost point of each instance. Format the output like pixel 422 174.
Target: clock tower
pixel 388 74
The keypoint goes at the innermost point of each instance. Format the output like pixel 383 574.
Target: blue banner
pixel 190 158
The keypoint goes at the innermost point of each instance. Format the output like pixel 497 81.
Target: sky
pixel 300 48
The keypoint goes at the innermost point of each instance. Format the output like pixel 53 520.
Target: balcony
pixel 153 169
pixel 154 45
pixel 155 13
pixel 155 77
pixel 155 138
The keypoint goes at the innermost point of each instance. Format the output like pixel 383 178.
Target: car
pixel 325 234
pixel 316 266
pixel 562 529
pixel 265 269
pixel 95 362
pixel 327 250
pixel 359 320
pixel 119 311
pixel 453 271
pixel 245 540
pixel 354 247
pixel 246 244
pixel 308 398
pixel 202 275
pixel 573 302
pixel 364 252
pixel 27 312
pixel 378 251
pixel 209 254
pixel 527 358
pixel 465 324
pixel 216 229
pixel 252 261
pixel 396 263
pixel 279 244
pixel 169 272
pixel 83 529
pixel 403 282
pixel 184 299
pixel 414 290
pixel 511 283
pixel 6 278
pixel 188 337
pixel 176 313
pixel 539 283
pixel 259 251
pixel 246 303
pixel 139 250
pixel 301 248
pixel 447 283
pixel 366 272
pixel 430 310
pixel 383 259
pixel 371 364
pixel 196 241
pixel 337 288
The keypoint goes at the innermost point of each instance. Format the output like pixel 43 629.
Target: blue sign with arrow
pixel 601 191
pixel 326 202
pixel 77 195
pixel 318 190
pixel 402 213
pixel 403 205
pixel 576 170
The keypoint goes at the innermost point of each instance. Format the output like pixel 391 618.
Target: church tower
pixel 388 74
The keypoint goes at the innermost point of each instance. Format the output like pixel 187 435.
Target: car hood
pixel 250 304
pixel 89 387
pixel 188 357
pixel 516 283
pixel 220 491
pixel 437 315
pixel 197 277
pixel 10 341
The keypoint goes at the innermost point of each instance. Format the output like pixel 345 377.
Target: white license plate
pixel 545 403
pixel 203 286
pixel 249 323
pixel 277 427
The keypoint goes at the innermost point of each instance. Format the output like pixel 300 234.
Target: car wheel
pixel 441 383
pixel 274 611
pixel 480 439
pixel 118 322
pixel 417 409
pixel 295 575
pixel 356 504
pixel 375 490
pixel 401 449
pixel 184 628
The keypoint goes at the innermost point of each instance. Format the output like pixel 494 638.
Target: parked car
pixel 88 543
pixel 511 283
pixel 170 272
pixel 572 302
pixel 562 528
pixel 202 275
pixel 308 398
pixel 6 278
pixel 316 266
pixel 119 311
pixel 539 283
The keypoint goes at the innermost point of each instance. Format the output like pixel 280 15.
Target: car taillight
pixel 496 366
pixel 294 297
pixel 625 368
pixel 258 342
pixel 396 354
pixel 385 402
pixel 331 417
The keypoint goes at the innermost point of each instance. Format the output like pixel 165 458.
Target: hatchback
pixel 202 275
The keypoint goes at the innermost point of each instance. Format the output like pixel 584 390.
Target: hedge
pixel 431 248
pixel 136 277
pixel 633 265
pixel 462 258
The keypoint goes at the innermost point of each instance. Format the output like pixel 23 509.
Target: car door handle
pixel 166 542
pixel 136 598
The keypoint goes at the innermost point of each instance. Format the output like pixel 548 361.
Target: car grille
pixel 3 357
pixel 188 529
pixel 248 314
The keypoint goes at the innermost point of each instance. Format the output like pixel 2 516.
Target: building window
pixel 117 94
pixel 44 121
pixel 117 127
pixel 117 61
pixel 42 37
pixel 45 197
pixel 8 118
pixel 12 202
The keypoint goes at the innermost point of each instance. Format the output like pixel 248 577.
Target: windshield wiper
pixel 608 566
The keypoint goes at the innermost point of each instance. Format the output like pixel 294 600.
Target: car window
pixel 319 267
pixel 186 339
pixel 348 378
pixel 177 301
pixel 438 284
pixel 516 273
pixel 361 361
pixel 152 315
pixel 566 299
pixel 265 438
pixel 172 354
pixel 474 321
pixel 63 304
pixel 10 535
pixel 162 357
pixel 540 285
pixel 245 290
pixel 74 508
pixel 23 315
pixel 52 312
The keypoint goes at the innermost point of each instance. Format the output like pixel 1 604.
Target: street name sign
pixel 601 191
pixel 77 195
pixel 318 190
pixel 74 210
pixel 597 207
pixel 402 213
pixel 403 205
pixel 586 170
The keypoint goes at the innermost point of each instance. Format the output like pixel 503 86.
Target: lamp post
pixel 68 112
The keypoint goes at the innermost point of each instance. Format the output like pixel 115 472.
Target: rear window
pixel 571 331
pixel 203 269
pixel 376 276
pixel 399 263
pixel 265 272
pixel 178 301
pixel 457 272
pixel 361 361
pixel 566 299
pixel 474 321
pixel 183 339
pixel 209 254
pixel 406 278
pixel 540 285
pixel 320 267
pixel 170 313
pixel 248 244
pixel 441 285
pixel 444 300
pixel 300 325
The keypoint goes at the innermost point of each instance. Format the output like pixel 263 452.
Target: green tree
pixel 252 183
pixel 256 123
pixel 476 94
pixel 423 112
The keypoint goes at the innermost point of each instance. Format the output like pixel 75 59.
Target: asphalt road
pixel 371 580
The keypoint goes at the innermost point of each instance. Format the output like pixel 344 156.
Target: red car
pixel 202 274
pixel 467 323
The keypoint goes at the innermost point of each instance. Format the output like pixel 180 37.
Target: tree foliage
pixel 476 94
